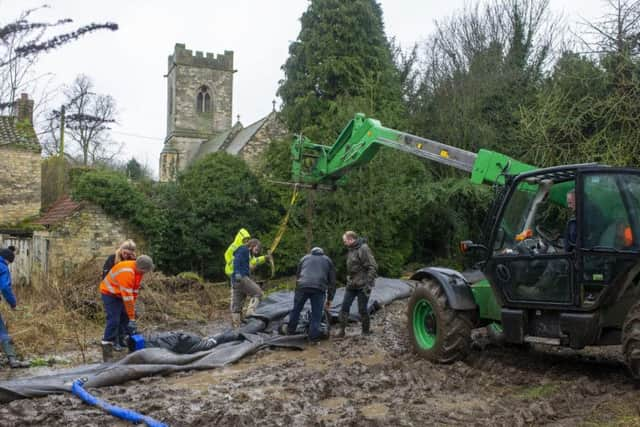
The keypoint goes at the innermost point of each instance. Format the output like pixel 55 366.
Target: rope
pixel 282 228
pixel 285 220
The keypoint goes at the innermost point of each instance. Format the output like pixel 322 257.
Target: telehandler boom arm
pixel 361 139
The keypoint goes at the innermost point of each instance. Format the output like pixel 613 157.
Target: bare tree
pixel 16 74
pixel 618 31
pixel 86 123
pixel 22 41
pixel 32 35
pixel 499 26
pixel 50 137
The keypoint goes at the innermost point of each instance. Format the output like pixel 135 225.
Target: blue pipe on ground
pixel 125 414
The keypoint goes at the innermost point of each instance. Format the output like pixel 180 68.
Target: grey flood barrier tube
pixel 257 333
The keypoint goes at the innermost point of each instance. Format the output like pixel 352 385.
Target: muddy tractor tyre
pixel 436 331
pixel 631 341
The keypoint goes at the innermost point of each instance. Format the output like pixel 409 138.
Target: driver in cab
pixel 571 228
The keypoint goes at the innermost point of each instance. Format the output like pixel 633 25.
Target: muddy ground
pixel 372 381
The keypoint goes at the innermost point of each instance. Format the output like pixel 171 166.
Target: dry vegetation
pixel 67 315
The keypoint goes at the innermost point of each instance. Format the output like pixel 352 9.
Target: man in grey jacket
pixel 316 277
pixel 362 270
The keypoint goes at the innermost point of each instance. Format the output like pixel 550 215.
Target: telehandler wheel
pixel 437 332
pixel 631 341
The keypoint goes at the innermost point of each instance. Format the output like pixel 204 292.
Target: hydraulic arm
pixel 361 139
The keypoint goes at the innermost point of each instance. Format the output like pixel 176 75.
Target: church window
pixel 203 101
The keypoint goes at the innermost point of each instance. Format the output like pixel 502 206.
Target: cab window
pixel 610 203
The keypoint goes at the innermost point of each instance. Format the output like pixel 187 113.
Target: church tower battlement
pixel 199 104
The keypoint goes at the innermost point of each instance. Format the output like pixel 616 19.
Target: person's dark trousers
pixel 123 330
pixel 116 316
pixel 363 299
pixel 316 297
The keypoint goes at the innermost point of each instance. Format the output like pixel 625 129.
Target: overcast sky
pixel 129 64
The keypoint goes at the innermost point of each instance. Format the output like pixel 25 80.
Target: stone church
pixel 199 113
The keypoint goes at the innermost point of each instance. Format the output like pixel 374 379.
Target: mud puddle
pixel 372 381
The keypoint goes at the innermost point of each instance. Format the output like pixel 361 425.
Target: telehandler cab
pixel 559 260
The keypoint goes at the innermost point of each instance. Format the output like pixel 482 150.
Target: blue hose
pixel 116 411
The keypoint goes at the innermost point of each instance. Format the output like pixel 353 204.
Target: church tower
pixel 199 102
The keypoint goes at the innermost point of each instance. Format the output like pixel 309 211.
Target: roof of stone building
pixel 218 142
pixel 243 137
pixel 233 140
pixel 212 145
pixel 59 211
pixel 19 133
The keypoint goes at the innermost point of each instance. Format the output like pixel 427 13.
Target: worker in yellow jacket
pixel 241 238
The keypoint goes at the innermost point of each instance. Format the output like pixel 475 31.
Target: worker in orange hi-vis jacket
pixel 119 291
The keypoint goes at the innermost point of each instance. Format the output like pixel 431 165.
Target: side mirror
pixel 467 246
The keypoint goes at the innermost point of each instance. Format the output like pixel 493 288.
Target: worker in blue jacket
pixel 6 257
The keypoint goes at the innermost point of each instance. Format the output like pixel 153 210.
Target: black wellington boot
pixel 342 318
pixel 366 326
pixel 10 351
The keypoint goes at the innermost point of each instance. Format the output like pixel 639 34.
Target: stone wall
pixel 86 235
pixel 168 165
pixel 188 121
pixel 272 130
pixel 185 149
pixel 20 184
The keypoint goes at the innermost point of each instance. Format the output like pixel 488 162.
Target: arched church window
pixel 203 101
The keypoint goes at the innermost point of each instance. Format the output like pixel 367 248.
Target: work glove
pixel 132 327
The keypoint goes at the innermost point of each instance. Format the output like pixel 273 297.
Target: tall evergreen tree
pixel 341 63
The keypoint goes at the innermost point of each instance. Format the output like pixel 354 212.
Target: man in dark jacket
pixel 361 274
pixel 316 277
pixel 6 257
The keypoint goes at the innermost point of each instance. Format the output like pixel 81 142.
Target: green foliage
pixel 588 111
pixel 205 208
pixel 340 64
pixel 134 170
pixel 118 197
pixel 23 225
pixel 488 80
pixel 395 202
pixel 539 391
pixel 25 130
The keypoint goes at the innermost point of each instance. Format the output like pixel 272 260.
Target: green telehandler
pixel 558 262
